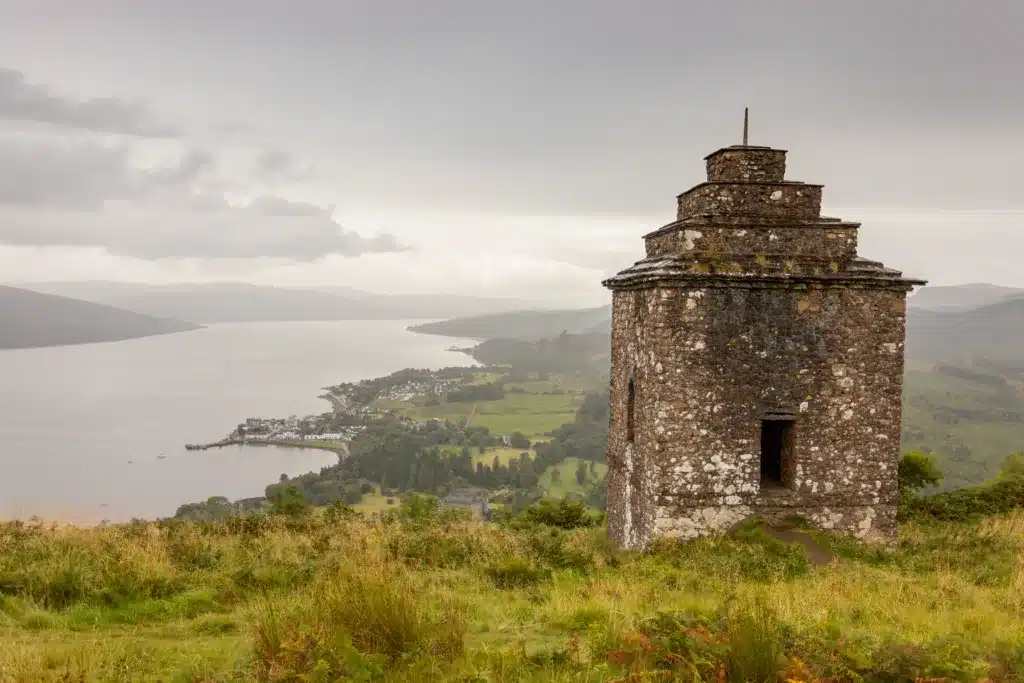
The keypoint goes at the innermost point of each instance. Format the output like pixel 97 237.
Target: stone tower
pixel 757 365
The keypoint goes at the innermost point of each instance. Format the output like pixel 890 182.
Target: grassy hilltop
pixel 312 596
pixel 389 587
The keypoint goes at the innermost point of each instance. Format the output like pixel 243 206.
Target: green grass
pixel 485 378
pixel 969 425
pixel 374 502
pixel 567 484
pixel 322 445
pixel 310 599
pixel 503 455
pixel 534 412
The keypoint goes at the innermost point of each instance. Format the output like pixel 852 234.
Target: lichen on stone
pixel 730 319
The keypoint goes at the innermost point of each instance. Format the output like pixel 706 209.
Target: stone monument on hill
pixel 757 365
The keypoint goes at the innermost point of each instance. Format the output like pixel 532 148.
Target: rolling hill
pixel 963 389
pixel 522 325
pixel 31 319
pixel 231 302
pixel 992 332
pixel 960 297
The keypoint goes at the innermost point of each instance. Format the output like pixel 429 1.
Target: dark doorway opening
pixel 776 450
pixel 630 409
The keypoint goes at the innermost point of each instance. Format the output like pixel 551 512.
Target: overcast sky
pixel 505 148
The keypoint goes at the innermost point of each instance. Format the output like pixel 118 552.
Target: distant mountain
pixel 992 332
pixel 963 390
pixel 215 302
pixel 960 297
pixel 970 415
pixel 585 353
pixel 434 305
pixel 522 325
pixel 31 319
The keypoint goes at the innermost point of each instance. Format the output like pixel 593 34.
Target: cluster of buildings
pixel 341 396
pixel 309 428
pixel 410 390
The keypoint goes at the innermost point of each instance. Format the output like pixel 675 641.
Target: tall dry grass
pixel 316 599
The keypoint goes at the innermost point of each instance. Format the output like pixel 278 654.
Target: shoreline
pixel 341 447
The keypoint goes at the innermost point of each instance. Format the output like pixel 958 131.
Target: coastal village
pixel 351 403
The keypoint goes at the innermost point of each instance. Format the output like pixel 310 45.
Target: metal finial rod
pixel 745 121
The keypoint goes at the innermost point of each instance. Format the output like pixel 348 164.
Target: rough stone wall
pixel 752 243
pixel 747 164
pixel 631 481
pixel 718 359
pixel 752 303
pixel 768 200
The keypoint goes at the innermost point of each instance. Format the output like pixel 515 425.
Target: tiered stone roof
pixel 748 225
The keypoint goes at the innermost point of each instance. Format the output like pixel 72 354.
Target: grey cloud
pixel 61 193
pixel 83 174
pixel 225 232
pixel 24 101
pixel 279 206
pixel 589 106
pixel 73 174
pixel 277 166
pixel 192 164
pixel 274 162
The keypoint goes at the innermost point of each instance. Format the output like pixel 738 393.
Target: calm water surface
pixel 81 427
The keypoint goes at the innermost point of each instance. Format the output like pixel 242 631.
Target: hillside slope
pixel 31 319
pixel 963 390
pixel 239 302
pixel 522 325
pixel 960 297
pixel 992 332
pixel 329 597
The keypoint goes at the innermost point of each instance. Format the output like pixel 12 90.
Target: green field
pixel 968 425
pixel 534 412
pixel 503 454
pixel 567 484
pixel 374 502
pixel 337 446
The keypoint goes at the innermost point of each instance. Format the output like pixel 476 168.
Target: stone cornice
pixel 669 271
pixel 752 222
pixel 749 183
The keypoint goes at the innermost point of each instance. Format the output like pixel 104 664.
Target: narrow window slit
pixel 630 412
pixel 776 451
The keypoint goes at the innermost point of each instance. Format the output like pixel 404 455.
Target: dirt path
pixel 816 553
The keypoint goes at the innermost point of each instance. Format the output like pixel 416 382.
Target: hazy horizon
pixel 84 424
pixel 514 151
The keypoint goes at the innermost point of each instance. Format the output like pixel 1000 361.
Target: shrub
pixel 1000 496
pixel 1012 465
pixel 755 650
pixel 554 549
pixel 432 547
pixel 564 514
pixel 417 507
pixel 682 643
pixel 516 573
pixel 352 628
pixel 251 524
pixel 917 470
pixel 340 510
pixel 288 501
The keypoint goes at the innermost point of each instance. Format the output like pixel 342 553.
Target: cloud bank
pixel 84 188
